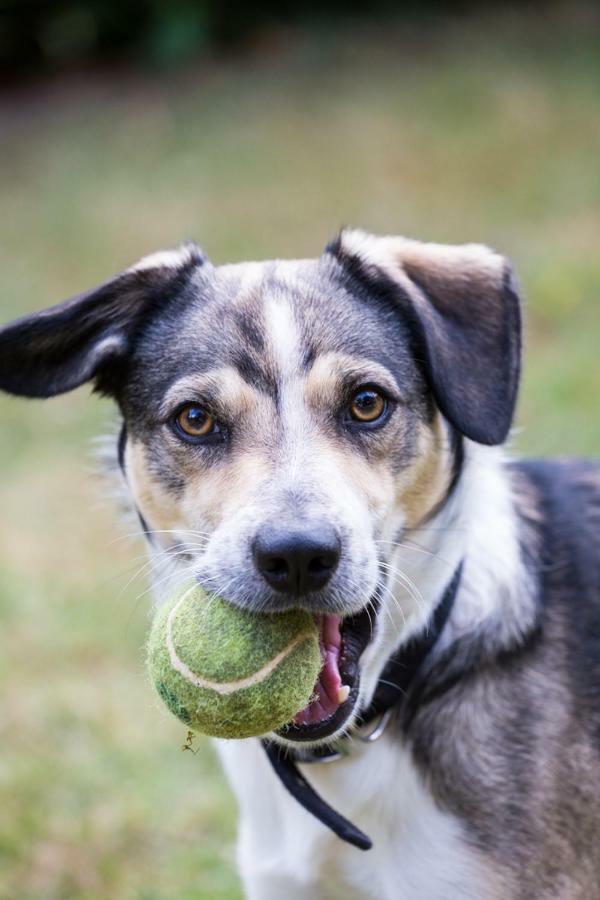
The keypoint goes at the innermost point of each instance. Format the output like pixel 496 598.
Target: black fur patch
pixel 256 372
pixel 121 444
pixel 251 333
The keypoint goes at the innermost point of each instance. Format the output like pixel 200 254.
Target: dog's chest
pixel 419 850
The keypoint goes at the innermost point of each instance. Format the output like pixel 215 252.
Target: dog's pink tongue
pixel 328 689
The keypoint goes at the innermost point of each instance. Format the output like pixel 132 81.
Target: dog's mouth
pixel 336 691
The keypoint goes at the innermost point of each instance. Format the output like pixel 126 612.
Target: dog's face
pixel 285 423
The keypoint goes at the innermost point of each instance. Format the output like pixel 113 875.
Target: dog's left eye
pixel 194 422
pixel 368 406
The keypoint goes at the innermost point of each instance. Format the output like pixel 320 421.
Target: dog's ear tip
pixel 187 256
pixel 191 243
pixel 346 240
pixel 333 246
pixel 195 251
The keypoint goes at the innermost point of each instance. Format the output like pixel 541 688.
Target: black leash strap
pixel 305 794
pixel 392 688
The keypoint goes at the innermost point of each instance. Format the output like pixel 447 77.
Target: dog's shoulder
pixel 567 496
pixel 569 575
pixel 559 500
pixel 494 718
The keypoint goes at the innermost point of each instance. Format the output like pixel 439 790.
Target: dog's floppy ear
pixel 88 337
pixel 463 308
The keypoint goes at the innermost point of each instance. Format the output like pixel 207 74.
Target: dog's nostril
pixel 275 565
pixel 299 561
pixel 321 564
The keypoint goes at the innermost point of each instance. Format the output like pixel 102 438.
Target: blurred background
pixel 257 129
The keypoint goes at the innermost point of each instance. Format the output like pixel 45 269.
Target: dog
pixel 328 434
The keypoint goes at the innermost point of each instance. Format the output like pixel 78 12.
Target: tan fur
pixel 222 492
pixel 235 394
pixel 330 369
pixel 209 496
pixel 160 509
pixel 374 480
pixel 425 483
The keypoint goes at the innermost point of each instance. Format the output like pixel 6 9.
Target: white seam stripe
pixel 227 687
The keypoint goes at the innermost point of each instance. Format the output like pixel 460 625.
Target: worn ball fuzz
pixel 230 673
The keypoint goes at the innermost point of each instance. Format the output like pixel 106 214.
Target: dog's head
pixel 285 423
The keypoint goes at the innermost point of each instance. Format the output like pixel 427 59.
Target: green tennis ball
pixel 231 673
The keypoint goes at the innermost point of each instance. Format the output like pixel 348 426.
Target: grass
pixel 484 129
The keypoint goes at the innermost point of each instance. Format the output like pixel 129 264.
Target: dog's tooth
pixel 343 693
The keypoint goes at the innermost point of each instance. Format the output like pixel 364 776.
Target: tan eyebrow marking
pixel 225 382
pixel 160 509
pixel 329 369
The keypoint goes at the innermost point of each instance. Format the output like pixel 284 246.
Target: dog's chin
pixel 327 715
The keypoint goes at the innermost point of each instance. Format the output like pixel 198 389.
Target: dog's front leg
pixel 271 886
pixel 282 851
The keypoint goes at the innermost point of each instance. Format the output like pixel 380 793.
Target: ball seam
pixel 228 687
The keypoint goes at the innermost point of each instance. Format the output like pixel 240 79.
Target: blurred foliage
pixel 38 36
pixel 483 128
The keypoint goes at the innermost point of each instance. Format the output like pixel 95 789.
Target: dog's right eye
pixel 193 423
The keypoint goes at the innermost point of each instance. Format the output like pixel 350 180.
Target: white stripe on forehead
pixel 285 351
pixel 282 328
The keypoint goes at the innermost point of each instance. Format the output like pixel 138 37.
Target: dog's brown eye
pixel 195 421
pixel 367 405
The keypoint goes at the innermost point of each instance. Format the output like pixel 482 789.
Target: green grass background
pixel 482 129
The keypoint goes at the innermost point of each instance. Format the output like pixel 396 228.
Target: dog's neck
pixel 480 527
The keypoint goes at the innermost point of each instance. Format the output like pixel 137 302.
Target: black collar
pixel 393 689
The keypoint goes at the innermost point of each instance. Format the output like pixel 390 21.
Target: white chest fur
pixel 420 852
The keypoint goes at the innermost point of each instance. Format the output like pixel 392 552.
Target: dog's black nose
pixel 298 561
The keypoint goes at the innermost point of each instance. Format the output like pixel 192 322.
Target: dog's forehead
pixel 266 303
pixel 276 307
pixel 281 309
pixel 266 319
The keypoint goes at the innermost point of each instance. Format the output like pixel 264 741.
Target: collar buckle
pixel 378 728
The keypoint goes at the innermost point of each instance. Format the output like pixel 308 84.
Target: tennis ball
pixel 231 673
